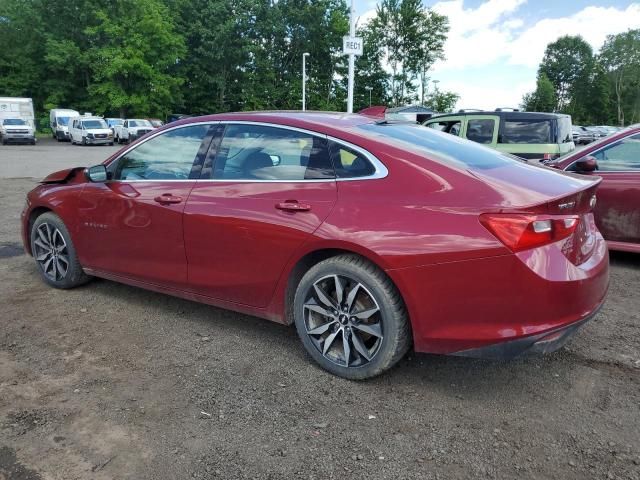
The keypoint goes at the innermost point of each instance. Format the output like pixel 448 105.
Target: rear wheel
pixel 351 318
pixel 55 254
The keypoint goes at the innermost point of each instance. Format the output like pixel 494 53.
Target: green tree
pixel 543 99
pixel 369 72
pixel 620 57
pixel 134 52
pixel 567 64
pixel 433 31
pixel 442 101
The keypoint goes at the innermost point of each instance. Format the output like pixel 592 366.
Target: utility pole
pixel 369 90
pixel 352 34
pixel 304 80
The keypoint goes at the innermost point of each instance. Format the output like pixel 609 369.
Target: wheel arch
pixel 33 215
pixel 312 257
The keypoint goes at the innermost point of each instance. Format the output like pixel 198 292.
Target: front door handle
pixel 293 206
pixel 167 198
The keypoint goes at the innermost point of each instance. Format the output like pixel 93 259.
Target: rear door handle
pixel 168 198
pixel 293 206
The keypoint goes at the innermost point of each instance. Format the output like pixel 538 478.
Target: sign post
pixel 351 46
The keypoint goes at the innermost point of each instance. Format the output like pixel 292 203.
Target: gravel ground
pixel 113 382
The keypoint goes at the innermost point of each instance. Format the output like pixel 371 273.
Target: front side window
pixel 257 152
pixel 168 156
pixel 448 126
pixel 527 131
pixel 481 130
pixel 621 156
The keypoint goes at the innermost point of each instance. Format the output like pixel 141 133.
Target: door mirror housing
pixel 587 164
pixel 97 173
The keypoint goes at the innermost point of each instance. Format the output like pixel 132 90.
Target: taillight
pixel 523 231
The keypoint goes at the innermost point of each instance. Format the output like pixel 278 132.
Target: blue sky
pixel 495 46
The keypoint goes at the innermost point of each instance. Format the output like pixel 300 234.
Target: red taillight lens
pixel 523 231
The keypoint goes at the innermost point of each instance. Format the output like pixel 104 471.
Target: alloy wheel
pixel 50 251
pixel 343 320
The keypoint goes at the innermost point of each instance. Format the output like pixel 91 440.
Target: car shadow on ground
pixel 625 259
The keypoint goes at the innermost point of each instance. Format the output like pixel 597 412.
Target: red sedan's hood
pixel 62 176
pixel 522 185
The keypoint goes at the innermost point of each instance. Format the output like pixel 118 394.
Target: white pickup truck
pixel 131 129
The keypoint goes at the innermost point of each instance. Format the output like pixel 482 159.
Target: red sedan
pixel 616 159
pixel 371 237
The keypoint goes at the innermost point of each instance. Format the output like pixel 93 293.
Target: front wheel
pixel 351 318
pixel 55 254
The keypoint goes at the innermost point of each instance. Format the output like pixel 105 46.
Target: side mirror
pixel 97 173
pixel 587 164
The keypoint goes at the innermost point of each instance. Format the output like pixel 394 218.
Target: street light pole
pixel 369 90
pixel 304 81
pixel 352 33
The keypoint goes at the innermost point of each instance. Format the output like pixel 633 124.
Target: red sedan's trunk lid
pixel 550 194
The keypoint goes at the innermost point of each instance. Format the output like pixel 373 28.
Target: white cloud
pixel 493 31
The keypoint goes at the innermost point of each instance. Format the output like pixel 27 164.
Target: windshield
pixel 139 123
pixel 112 122
pixel 438 146
pixel 89 124
pixel 14 121
pixel 62 120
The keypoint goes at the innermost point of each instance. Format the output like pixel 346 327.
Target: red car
pixel 371 237
pixel 616 159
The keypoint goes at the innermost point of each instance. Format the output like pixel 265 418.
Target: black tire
pixel 390 318
pixel 4 141
pixel 33 142
pixel 111 144
pixel 74 276
pixel 84 141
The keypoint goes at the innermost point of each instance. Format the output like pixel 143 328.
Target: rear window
pixel 527 131
pixel 446 149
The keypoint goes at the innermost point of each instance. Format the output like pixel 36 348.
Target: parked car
pixel 371 237
pixel 155 122
pixel 16 130
pixel 525 134
pixel 59 122
pixel 113 122
pixel 582 135
pixel 90 131
pixel 616 159
pixel 131 129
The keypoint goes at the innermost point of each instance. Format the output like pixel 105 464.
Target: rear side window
pixel 168 156
pixel 565 134
pixel 258 152
pixel 527 131
pixel 481 131
pixel 349 163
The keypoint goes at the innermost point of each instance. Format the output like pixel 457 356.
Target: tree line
pixel 594 88
pixel 154 57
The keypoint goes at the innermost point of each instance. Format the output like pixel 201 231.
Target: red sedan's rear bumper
pixel 519 300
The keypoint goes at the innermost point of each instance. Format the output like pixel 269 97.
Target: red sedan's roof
pixel 324 122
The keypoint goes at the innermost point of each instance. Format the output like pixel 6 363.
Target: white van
pixel 59 122
pixel 89 131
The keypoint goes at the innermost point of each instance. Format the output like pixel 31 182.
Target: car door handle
pixel 293 206
pixel 167 198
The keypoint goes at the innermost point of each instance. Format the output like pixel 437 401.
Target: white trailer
pixel 17 107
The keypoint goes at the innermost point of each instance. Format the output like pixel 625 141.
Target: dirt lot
pixel 112 382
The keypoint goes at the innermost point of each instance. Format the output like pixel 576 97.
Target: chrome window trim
pixel 381 170
pixel 598 172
